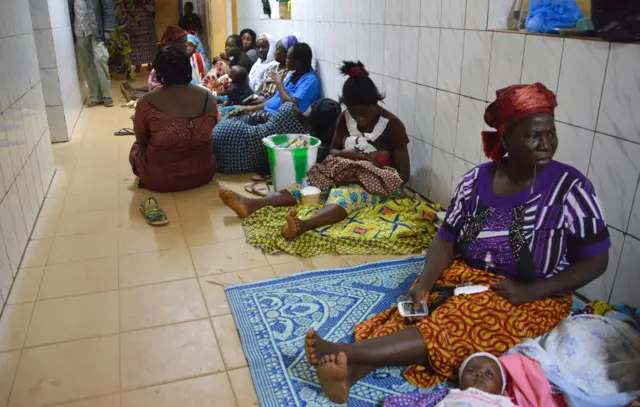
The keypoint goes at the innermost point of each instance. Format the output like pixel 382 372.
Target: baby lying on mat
pixel 482 383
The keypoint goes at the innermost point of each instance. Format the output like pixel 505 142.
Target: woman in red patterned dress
pixel 527 228
pixel 173 126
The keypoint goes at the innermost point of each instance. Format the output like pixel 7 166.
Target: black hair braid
pixel 172 65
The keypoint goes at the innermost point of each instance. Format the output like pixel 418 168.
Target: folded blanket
pixel 336 170
pixel 593 360
pixel 526 383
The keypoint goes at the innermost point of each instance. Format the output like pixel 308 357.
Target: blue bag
pixel 545 15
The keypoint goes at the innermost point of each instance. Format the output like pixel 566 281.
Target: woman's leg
pixel 244 207
pixel 340 366
pixel 328 215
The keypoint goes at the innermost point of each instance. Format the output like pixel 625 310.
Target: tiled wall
pixel 26 162
pixel 58 68
pixel 439 66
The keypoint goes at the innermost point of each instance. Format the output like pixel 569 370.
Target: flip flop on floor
pixel 124 132
pixel 108 102
pixel 262 178
pixel 257 189
pixel 154 215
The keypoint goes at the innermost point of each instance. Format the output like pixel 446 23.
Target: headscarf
pixel 484 355
pixel 193 38
pixel 171 36
pixel 260 68
pixel 512 105
pixel 288 41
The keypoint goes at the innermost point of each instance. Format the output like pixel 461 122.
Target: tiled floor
pixel 108 311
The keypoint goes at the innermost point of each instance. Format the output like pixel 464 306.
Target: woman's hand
pixel 516 293
pixel 275 78
pixel 417 294
pixel 353 155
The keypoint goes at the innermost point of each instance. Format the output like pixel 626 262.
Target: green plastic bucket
pixel 290 165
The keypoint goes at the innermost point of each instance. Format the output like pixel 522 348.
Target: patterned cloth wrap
pixel 466 324
pixel 416 400
pixel 397 226
pixel 593 360
pixel 334 170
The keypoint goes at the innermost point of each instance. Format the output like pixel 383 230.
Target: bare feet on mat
pixel 333 374
pixel 310 347
pixel 239 204
pixel 293 227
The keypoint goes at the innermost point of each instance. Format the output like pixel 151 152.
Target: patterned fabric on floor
pixel 399 226
pixel 273 316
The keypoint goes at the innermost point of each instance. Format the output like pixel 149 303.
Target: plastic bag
pixel 545 15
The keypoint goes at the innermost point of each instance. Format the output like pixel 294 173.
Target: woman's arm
pixel 140 123
pixel 281 89
pixel 439 258
pixel 574 277
pixel 401 162
pixel 254 108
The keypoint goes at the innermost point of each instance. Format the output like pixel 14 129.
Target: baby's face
pixel 483 374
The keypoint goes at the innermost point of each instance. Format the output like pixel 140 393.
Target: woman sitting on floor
pixel 249 42
pixel 527 227
pixel 365 131
pixel 173 125
pixel 279 68
pixel 266 49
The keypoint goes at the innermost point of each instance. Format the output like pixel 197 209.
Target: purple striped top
pixel 543 232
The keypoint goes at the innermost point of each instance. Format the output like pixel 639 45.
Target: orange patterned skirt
pixel 464 325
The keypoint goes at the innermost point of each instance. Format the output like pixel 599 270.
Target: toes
pixel 311 333
pixel 341 360
pixel 332 358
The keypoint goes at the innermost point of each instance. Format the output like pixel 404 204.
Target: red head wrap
pixel 356 71
pixel 512 105
pixel 172 36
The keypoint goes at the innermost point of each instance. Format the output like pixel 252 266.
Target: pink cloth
pixel 526 383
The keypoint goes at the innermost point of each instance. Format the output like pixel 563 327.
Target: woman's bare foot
pixel 293 227
pixel 310 347
pixel 315 347
pixel 333 374
pixel 239 204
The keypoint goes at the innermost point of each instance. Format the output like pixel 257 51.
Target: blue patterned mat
pixel 273 317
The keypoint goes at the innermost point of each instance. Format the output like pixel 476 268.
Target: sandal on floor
pixel 262 178
pixel 257 188
pixel 124 132
pixel 108 102
pixel 154 215
pixel 92 104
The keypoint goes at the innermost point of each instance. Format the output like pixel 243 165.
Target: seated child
pixel 482 383
pixel 198 64
pixel 239 89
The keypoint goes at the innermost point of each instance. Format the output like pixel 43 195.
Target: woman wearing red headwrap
pixel 528 229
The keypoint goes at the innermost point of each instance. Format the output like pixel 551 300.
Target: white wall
pixel 26 162
pixel 439 66
pixel 58 69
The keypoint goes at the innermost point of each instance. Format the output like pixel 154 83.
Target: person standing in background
pixel 191 21
pixel 93 24
pixel 120 44
pixel 143 33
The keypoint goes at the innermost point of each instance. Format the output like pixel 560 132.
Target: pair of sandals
pixel 107 102
pixel 152 212
pixel 259 185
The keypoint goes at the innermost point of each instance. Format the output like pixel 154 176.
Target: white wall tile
pixel 391 89
pixel 506 61
pixel 407 106
pixel 18 218
pixel 339 30
pixel 6 273
pixel 6 19
pixel 477 14
pixel 376 51
pixel 377 11
pixel 39 14
pixel 450 59
pixel 498 12
pixel 57 124
pixel 392 44
pixel 542 57
pixel 625 289
pixel 581 80
pixel 444 136
pixel 574 146
pixel 14 251
pixel 5 99
pixel 428 56
pixel 351 41
pixel 411 12
pixel 408 54
pixel 59 12
pixel 470 123
pixel 634 221
pixel 614 171
pixel 364 44
pixel 340 11
pixel 6 164
pixel 475 64
pixel 621 97
pixel 430 13
pixel 421 165
pixel 440 183
pixel 425 113
pixel 351 12
pixel 364 11
pixel 51 87
pixel 600 288
pixel 453 13
pixel 393 12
